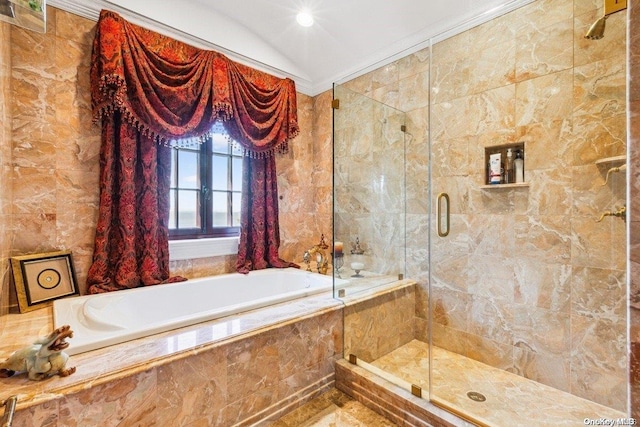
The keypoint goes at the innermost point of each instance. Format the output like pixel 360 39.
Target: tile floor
pixel 509 399
pixel 508 396
pixel 332 409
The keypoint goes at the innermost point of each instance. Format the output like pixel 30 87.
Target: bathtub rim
pixel 73 309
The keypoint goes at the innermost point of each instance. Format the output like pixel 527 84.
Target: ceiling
pixel 348 37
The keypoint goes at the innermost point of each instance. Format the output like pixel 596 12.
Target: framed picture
pixel 41 278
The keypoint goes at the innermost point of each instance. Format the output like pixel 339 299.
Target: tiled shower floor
pixel 511 400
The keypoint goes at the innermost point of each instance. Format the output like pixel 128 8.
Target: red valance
pixel 169 90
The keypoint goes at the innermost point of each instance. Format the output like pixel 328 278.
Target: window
pixel 206 188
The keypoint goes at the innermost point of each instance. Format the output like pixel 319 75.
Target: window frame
pixel 205 200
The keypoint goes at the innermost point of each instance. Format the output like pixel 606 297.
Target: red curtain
pixel 149 90
pixel 260 233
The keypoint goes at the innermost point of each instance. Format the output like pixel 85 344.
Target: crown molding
pixel 90 9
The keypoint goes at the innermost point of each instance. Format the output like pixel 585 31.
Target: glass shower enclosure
pixel 521 287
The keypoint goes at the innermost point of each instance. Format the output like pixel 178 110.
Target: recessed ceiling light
pixel 304 18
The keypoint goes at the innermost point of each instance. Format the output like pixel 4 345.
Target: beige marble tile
pixel 544 98
pixel 540 14
pixel 332 409
pixel 598 139
pixel 414 63
pixel 454 375
pixel 600 89
pixel 495 64
pixel 375 326
pixel 545 286
pixel 597 372
pixel 414 92
pixel 544 50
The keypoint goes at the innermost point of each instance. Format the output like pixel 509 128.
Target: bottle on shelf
pixel 519 167
pixel 509 172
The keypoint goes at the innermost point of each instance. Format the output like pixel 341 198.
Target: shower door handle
pixel 442 231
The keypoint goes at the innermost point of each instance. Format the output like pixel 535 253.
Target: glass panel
pixel 237 204
pixel 174 167
pixel 189 216
pixel 236 179
pixel 369 192
pixel 236 149
pixel 172 209
pixel 220 209
pixel 188 169
pixel 370 216
pixel 219 143
pixel 219 173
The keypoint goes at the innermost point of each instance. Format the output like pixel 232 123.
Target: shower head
pixel 596 32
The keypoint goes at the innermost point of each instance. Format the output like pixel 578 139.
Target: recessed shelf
pixel 612 161
pixel 502 150
pixel 496 186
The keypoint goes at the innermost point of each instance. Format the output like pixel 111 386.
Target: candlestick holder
pixel 338 262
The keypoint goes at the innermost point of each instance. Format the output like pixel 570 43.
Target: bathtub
pixel 106 319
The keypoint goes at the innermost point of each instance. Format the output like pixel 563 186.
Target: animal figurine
pixel 43 359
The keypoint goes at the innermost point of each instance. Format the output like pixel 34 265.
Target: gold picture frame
pixel 41 278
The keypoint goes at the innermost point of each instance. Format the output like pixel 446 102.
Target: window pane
pixel 219 173
pixel 189 216
pixel 237 203
pixel 236 149
pixel 174 159
pixel 219 143
pixel 236 179
pixel 220 209
pixel 188 170
pixel 172 209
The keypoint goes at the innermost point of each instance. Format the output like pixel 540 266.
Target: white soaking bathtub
pixel 106 319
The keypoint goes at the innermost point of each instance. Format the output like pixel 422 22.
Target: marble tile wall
pixel 379 325
pixel 527 280
pixel 5 163
pixel 55 146
pixel 634 208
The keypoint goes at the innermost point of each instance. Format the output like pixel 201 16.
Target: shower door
pixel 530 281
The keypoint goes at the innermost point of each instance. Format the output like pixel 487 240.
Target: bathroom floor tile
pixel 332 409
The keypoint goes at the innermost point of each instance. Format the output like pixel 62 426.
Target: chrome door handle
pixel 442 231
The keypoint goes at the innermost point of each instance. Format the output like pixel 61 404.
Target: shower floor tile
pixel 511 400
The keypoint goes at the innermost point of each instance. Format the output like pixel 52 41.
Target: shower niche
pixel 507 179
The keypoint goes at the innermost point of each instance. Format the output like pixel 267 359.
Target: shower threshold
pixel 510 399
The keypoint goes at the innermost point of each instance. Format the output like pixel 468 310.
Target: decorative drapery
pixel 259 230
pixel 149 90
